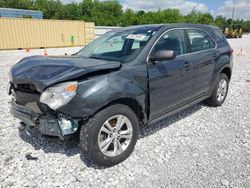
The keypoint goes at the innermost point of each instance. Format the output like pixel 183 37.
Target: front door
pixel 170 81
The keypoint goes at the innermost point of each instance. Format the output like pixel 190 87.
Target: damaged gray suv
pixel 127 77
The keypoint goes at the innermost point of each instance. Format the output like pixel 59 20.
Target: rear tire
pixel 220 91
pixel 110 136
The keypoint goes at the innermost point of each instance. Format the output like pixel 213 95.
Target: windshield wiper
pixel 93 57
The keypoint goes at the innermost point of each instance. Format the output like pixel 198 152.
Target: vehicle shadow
pixel 48 144
pixel 69 148
pixel 149 129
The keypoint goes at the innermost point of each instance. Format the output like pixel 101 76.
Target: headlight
pixel 59 95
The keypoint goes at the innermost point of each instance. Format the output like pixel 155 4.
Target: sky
pixel 215 7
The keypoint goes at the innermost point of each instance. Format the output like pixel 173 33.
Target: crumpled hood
pixel 43 71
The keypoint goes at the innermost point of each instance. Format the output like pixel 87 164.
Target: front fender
pixel 95 93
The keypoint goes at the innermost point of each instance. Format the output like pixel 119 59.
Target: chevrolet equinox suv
pixel 127 77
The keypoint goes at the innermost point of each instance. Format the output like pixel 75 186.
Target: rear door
pixel 203 57
pixel 170 81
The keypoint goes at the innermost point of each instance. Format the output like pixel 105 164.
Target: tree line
pixel 110 13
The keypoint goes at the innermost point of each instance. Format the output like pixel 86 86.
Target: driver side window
pixel 174 41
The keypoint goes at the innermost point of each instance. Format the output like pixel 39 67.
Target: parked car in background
pixel 126 78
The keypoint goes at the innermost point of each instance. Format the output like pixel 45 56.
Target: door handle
pixel 187 65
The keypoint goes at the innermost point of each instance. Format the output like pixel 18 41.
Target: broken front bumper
pixel 50 125
pixel 26 115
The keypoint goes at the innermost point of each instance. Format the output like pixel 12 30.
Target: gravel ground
pixel 199 147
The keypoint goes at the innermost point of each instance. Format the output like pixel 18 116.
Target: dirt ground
pixel 199 147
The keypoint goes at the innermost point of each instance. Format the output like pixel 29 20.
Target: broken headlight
pixel 59 95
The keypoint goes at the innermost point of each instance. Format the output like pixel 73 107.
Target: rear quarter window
pixel 199 40
pixel 218 35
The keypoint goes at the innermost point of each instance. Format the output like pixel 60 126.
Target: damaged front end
pixel 26 106
pixel 46 91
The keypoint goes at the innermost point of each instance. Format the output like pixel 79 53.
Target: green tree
pixel 205 18
pixel 85 9
pixel 107 13
pixel 221 22
pixel 169 16
pixel 191 17
pixel 19 4
pixel 129 18
pixel 102 13
pixel 2 3
pixel 71 11
pixel 246 26
pixel 52 9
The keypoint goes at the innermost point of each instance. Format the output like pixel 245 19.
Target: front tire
pixel 220 91
pixel 110 136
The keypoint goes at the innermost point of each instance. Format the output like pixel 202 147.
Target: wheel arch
pixel 227 71
pixel 132 103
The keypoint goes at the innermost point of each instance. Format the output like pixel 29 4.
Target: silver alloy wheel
pixel 115 135
pixel 222 90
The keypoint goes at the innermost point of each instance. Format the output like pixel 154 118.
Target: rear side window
pixel 219 35
pixel 199 40
pixel 172 40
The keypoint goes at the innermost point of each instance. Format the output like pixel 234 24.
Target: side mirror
pixel 162 55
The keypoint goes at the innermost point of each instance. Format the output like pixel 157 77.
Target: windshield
pixel 120 46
